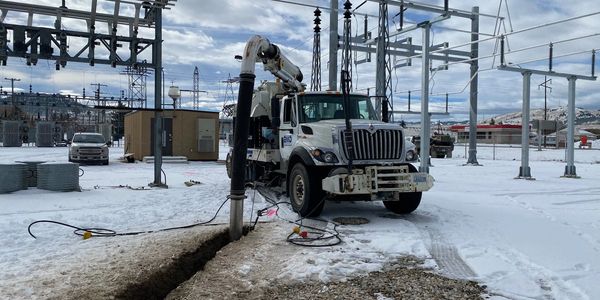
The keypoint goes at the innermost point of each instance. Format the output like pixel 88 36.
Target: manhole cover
pixel 351 220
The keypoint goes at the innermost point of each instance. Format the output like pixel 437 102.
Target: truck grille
pixel 381 144
pixel 90 151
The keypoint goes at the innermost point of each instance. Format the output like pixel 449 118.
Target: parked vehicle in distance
pixel 88 147
pixel 440 145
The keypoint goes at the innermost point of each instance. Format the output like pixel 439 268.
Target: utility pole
pixel 97 96
pixel 12 88
pixel 546 87
pixel 97 93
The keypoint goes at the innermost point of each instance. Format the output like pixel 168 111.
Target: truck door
pixel 288 131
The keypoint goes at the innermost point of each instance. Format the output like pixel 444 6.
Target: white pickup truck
pixel 87 147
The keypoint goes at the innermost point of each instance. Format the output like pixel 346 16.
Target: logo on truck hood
pixel 371 129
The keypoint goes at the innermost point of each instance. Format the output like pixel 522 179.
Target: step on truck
pixel 316 146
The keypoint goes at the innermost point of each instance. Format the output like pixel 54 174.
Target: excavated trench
pixel 160 283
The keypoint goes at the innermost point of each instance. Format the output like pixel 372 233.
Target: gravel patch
pixel 402 280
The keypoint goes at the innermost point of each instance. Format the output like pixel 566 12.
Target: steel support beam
pixel 570 170
pixel 548 73
pixel 473 90
pixel 436 9
pixel 74 14
pixel 158 126
pixel 525 170
pixel 333 45
pixel 425 117
pixel 407 53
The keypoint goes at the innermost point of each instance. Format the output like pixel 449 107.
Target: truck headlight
pixel 324 156
pixel 410 155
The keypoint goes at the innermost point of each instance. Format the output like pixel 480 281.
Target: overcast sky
pixel 209 33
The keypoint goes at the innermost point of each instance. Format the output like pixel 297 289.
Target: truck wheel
pixel 449 154
pixel 105 162
pixel 407 202
pixel 305 192
pixel 434 153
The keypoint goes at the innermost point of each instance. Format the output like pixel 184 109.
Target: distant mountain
pixel 582 116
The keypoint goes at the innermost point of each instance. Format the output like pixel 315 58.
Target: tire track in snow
pixel 442 251
pixel 446 256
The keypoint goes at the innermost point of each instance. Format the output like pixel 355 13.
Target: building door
pixel 167 137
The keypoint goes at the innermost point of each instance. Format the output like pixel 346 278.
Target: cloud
pixel 209 33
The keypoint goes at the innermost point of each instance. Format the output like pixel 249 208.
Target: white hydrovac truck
pixel 316 145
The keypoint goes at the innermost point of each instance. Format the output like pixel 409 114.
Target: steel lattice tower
pixel 229 102
pixel 383 79
pixel 315 80
pixel 137 91
pixel 196 90
pixel 346 51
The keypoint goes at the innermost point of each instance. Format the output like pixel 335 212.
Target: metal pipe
pixel 254 46
pixel 257 49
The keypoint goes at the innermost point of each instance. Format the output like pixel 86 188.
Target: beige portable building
pixel 190 133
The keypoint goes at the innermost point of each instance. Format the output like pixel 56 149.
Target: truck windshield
pixel 88 138
pixel 314 108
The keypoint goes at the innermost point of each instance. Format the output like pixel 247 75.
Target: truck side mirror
pixel 275 111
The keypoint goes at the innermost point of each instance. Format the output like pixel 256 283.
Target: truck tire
pixel 305 192
pixel 449 154
pixel 407 202
pixel 105 162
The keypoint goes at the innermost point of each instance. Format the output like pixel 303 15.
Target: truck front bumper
pixel 375 180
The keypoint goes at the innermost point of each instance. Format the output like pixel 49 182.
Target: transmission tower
pixel 137 91
pixel 383 76
pixel 196 89
pixel 346 51
pixel 315 80
pixel 229 102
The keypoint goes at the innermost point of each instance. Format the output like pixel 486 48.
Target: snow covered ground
pixel 523 239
